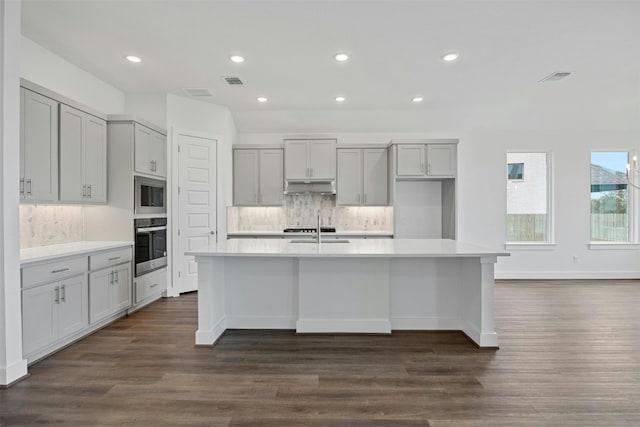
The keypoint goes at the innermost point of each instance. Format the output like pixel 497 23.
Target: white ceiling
pixel 395 49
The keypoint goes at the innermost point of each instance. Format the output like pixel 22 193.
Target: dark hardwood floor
pixel 569 356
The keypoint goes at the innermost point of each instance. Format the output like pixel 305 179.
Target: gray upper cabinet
pixel 38 147
pixel 83 157
pixel 258 177
pixel 426 160
pixel 150 151
pixel 313 159
pixel 362 177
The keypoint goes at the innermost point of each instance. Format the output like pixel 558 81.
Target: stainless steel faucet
pixel 318 230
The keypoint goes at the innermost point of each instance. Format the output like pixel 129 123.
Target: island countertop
pixel 355 248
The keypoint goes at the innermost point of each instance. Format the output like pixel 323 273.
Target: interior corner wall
pixel 12 364
pixel 43 67
pixel 151 107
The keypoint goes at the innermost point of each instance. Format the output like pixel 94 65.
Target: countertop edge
pixel 52 252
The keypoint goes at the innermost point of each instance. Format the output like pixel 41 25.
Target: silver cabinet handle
pixel 111 281
pixel 429 168
pixel 212 232
pixel 57 297
pixel 84 191
pixel 117 280
pixel 64 293
pixel 151 165
pixel 89 191
pixel 22 186
pixel 114 258
pixel 29 186
pixel 59 270
pixel 154 285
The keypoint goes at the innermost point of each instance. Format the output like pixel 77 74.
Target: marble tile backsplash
pixel 300 210
pixel 43 225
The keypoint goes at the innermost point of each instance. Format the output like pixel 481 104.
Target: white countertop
pixel 43 253
pixel 356 248
pixel 231 234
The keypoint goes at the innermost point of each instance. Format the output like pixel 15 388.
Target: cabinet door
pixel 349 181
pixel 121 288
pixel 296 160
pixel 322 159
pixel 39 145
pixel 100 283
pixel 72 134
pixel 441 160
pixel 95 159
pixel 271 177
pixel 142 149
pixel 39 317
pixel 411 159
pixel 159 154
pixel 245 177
pixel 72 309
pixel 375 177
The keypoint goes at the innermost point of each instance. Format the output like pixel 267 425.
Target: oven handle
pixel 150 229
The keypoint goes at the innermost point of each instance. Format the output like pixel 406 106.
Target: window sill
pixel 529 246
pixel 606 246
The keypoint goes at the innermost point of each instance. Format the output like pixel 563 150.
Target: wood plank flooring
pixel 569 356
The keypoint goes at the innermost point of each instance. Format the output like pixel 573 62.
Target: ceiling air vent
pixel 554 77
pixel 233 81
pixel 198 92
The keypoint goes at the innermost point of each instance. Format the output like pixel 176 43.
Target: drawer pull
pixel 60 270
pixel 114 258
pixel 154 285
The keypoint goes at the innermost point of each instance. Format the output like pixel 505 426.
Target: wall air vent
pixel 554 77
pixel 198 92
pixel 233 81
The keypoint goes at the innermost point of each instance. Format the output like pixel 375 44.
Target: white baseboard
pixel 375 326
pixel 261 322
pixel 209 337
pixel 425 323
pixel 550 275
pixel 13 372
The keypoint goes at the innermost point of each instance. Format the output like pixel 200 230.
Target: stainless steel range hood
pixel 305 186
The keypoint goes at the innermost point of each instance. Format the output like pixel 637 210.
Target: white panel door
pixel 271 178
pixel 197 203
pixel 375 177
pixel 322 159
pixel 245 177
pixel 95 159
pixel 349 182
pixel 72 135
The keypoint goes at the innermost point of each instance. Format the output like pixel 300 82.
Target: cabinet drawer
pixel 107 259
pixel 53 271
pixel 150 284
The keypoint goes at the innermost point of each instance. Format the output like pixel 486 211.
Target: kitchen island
pixel 356 286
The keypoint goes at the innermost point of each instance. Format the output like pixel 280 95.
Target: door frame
pixel 173 288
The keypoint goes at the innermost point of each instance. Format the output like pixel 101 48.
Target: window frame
pixel 549 243
pixel 632 221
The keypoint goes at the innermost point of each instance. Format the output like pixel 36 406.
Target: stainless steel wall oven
pixel 150 244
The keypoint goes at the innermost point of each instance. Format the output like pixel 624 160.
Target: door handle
pixel 57 295
pixel 117 277
pixel 63 296
pixel 212 232
pixel 29 186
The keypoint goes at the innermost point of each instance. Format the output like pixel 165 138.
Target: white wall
pixel 482 194
pixel 151 107
pixel 47 69
pixel 12 365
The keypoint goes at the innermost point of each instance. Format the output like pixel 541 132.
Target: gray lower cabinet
pixel 66 298
pixel 109 291
pixel 53 311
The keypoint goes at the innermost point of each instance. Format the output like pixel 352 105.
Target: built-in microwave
pixel 150 195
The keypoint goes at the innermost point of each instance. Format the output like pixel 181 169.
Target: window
pixel 609 196
pixel 515 171
pixel 528 200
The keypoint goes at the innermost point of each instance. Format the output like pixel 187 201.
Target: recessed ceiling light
pixel 451 56
pixel 132 58
pixel 340 57
pixel 236 58
pixel 262 99
pixel 417 99
pixel 340 98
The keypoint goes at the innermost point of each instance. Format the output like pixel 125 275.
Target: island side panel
pixel 211 300
pixel 477 300
pixel 343 295
pixel 262 293
pixel 425 293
